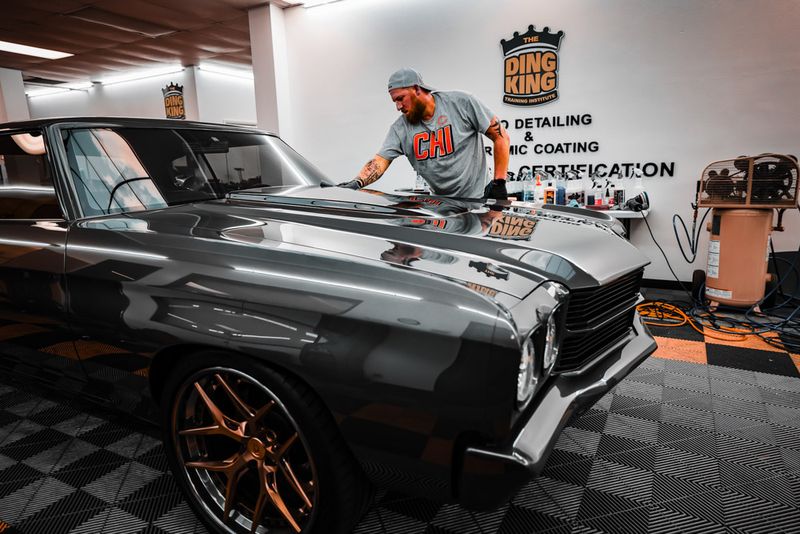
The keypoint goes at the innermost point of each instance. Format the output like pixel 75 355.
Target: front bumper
pixel 490 476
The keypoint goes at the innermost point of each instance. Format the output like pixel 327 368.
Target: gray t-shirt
pixel 448 149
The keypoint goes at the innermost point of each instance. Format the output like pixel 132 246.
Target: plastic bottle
pixel 588 194
pixel 611 187
pixel 561 191
pixel 538 189
pixel 574 193
pixel 527 188
pixel 598 193
pixel 549 193
pixel 619 192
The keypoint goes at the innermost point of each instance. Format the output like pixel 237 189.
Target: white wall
pixel 223 98
pixel 683 81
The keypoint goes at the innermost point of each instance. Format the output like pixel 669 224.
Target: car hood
pixel 500 248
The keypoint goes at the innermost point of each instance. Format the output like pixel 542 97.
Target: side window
pixel 108 175
pixel 26 188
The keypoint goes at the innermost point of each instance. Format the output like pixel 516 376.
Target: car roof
pixel 129 122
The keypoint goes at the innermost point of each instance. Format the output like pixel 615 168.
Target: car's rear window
pixel 26 187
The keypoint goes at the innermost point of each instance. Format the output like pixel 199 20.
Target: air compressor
pixel 743 192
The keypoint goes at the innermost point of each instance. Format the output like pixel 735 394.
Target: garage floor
pixel 703 437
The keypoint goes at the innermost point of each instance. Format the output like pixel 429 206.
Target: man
pixel 440 134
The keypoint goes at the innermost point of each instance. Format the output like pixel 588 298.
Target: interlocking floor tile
pixel 621 480
pixel 520 520
pixel 688 466
pixel 632 428
pixel 668 521
pixel 762 361
pixel 680 350
pixel 551 496
pixel 686 368
pixel 111 520
pixel 60 455
pixel 579 441
pixel 746 513
pixel 750 453
pixel 454 518
pixel 678 446
pixel 637 454
pixel 65 514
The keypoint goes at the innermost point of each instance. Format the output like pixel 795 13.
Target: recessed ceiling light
pixel 15 48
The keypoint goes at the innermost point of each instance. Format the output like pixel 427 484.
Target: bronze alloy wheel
pixel 245 458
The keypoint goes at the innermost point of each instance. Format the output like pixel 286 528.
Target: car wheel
pixel 256 450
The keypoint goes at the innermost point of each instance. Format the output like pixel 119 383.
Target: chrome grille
pixel 597 318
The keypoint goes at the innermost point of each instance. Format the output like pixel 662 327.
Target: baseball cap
pixel 406 77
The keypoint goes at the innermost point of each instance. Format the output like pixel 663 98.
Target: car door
pixel 35 338
pixel 105 263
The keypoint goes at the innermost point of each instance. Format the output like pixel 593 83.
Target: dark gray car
pixel 297 342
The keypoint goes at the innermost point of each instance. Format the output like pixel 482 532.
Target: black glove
pixel 496 189
pixel 352 184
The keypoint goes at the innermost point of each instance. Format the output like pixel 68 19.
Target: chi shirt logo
pixel 431 145
pixel 530 73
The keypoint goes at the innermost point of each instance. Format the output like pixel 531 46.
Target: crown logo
pixel 532 38
pixel 172 89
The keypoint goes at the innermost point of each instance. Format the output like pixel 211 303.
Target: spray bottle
pixel 619 193
pixel 527 187
pixel 586 184
pixel 611 188
pixel 538 189
pixel 561 190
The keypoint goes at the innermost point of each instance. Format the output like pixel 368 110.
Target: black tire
pixel 271 420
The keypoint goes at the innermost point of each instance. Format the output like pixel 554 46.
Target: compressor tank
pixel 737 255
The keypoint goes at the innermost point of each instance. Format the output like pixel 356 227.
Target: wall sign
pixel 173 101
pixel 530 78
pixel 530 69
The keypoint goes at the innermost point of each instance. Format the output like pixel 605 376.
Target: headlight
pixel 526 379
pixel 551 341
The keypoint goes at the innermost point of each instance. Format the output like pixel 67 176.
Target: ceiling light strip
pixel 236 73
pixel 46 53
pixel 142 74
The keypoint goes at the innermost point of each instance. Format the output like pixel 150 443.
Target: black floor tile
pixel 762 361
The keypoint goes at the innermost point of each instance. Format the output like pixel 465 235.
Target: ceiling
pixel 109 37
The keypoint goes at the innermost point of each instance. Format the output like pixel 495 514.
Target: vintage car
pixel 301 343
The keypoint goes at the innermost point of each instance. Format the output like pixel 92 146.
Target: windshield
pixel 131 169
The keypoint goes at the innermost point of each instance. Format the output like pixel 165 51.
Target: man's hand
pixel 496 189
pixel 352 184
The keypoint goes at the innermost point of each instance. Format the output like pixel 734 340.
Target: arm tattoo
pixel 497 128
pixel 370 173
